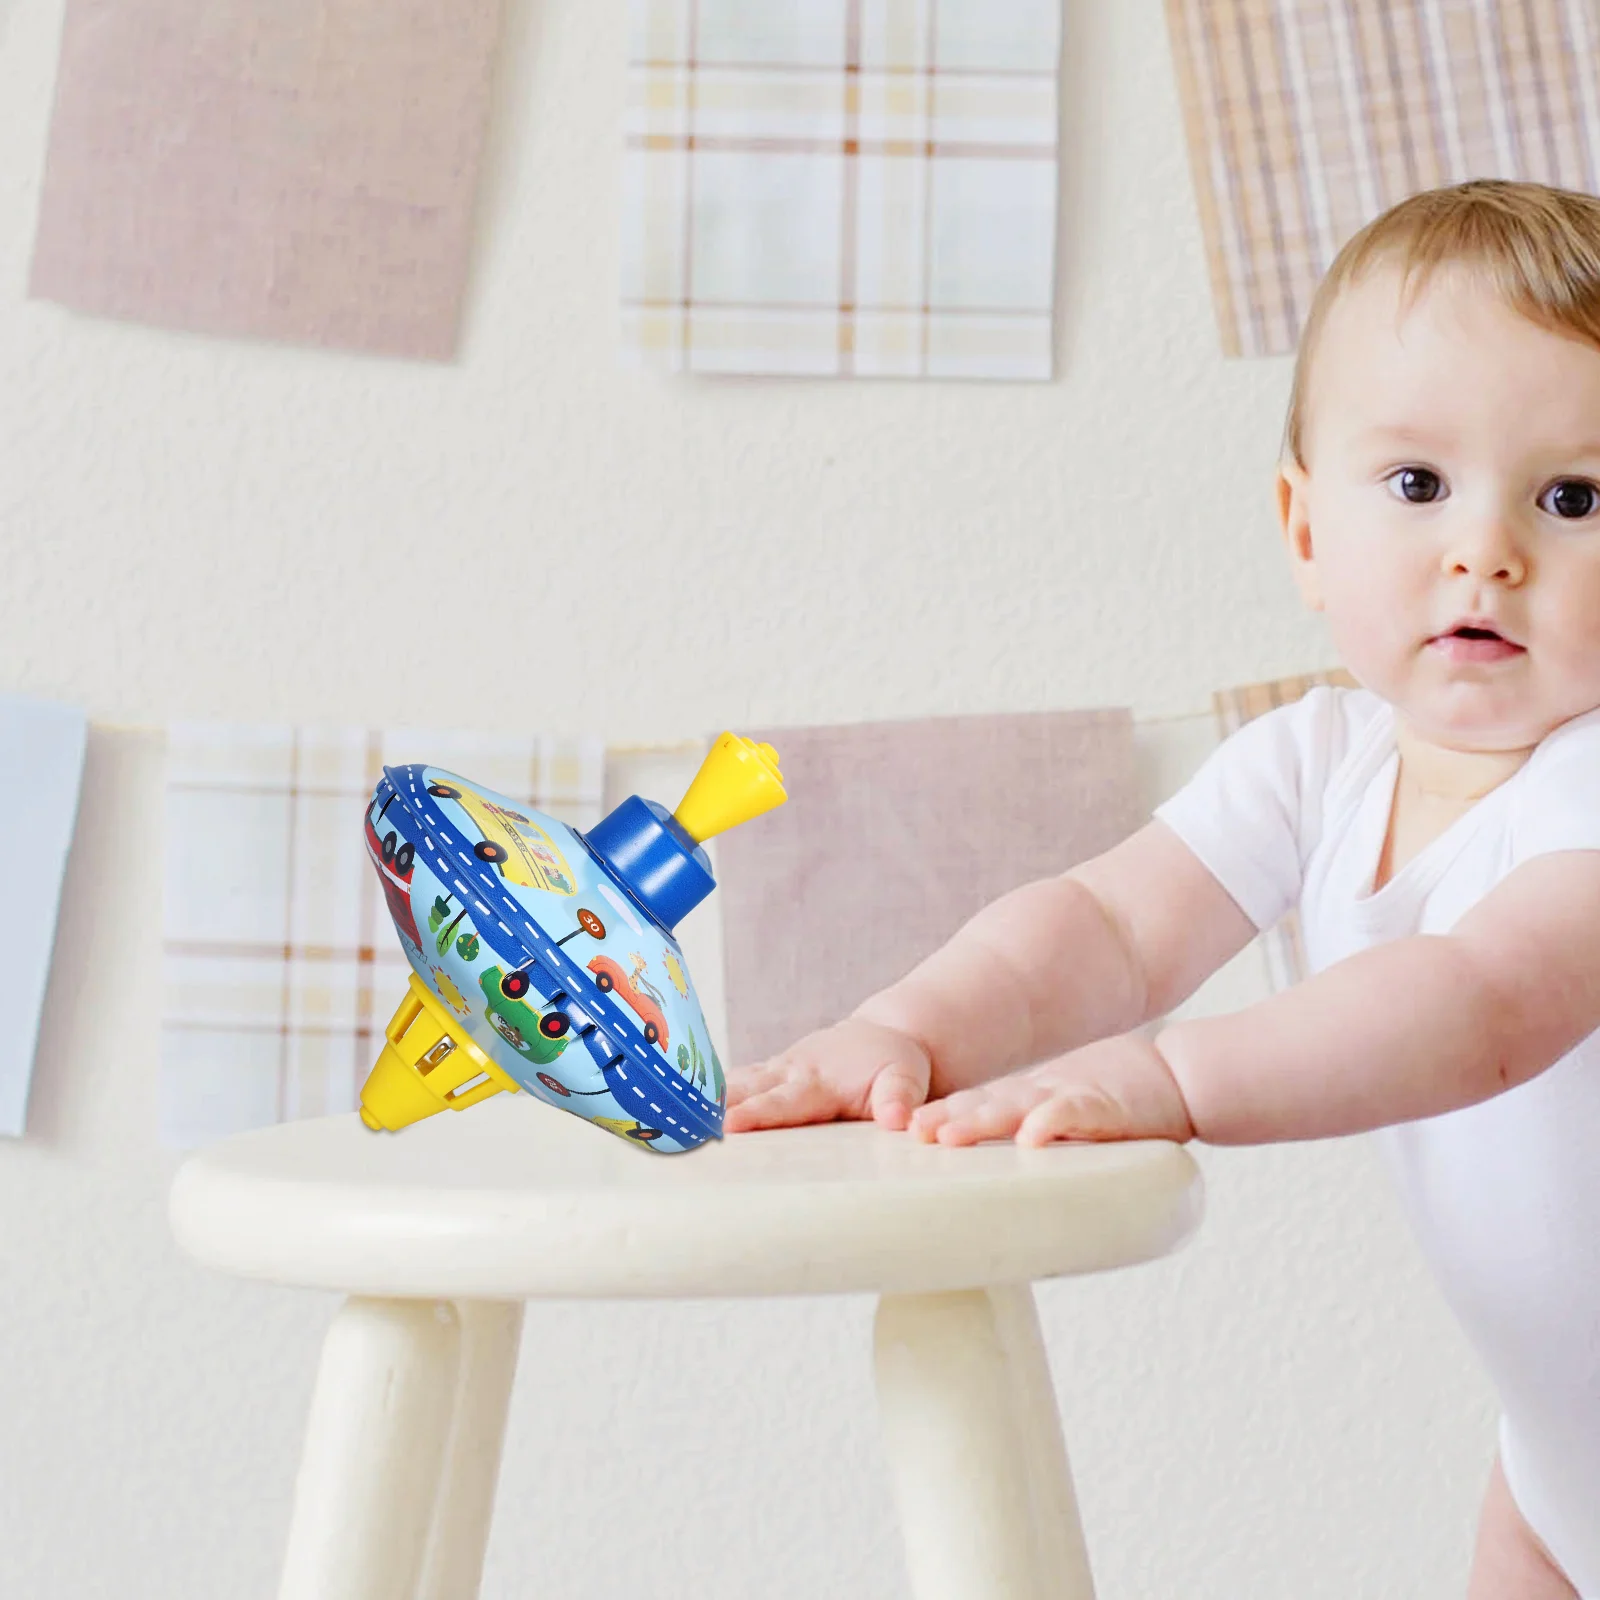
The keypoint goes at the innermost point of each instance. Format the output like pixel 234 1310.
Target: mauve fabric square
pixel 299 170
pixel 894 834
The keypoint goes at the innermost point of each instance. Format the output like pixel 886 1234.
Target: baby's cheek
pixel 1370 642
pixel 1565 604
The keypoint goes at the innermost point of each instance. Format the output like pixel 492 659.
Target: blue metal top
pixel 636 1074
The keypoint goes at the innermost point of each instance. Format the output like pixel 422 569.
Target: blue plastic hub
pixel 648 849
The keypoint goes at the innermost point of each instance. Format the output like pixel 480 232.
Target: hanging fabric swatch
pixel 1306 118
pixel 41 770
pixel 281 966
pixel 1282 945
pixel 894 834
pixel 301 170
pixel 846 187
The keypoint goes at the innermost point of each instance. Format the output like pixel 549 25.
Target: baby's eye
pixel 1418 485
pixel 1571 499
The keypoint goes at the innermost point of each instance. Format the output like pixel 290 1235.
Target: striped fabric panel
pixel 1306 118
pixel 281 967
pixel 1235 707
pixel 1282 946
pixel 849 187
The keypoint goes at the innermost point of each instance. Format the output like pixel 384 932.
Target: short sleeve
pixel 1252 811
pixel 1558 799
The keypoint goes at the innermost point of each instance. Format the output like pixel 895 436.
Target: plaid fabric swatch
pixel 844 187
pixel 894 834
pixel 281 966
pixel 1282 946
pixel 1306 118
pixel 286 169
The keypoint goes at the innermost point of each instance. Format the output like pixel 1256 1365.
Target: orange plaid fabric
pixel 281 968
pixel 1306 118
pixel 861 187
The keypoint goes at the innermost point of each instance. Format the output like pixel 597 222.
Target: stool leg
pixel 1064 1558
pixel 369 1475
pixel 491 1331
pixel 980 1477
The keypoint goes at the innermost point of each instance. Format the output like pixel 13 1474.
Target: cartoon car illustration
pixel 610 978
pixel 535 1038
pixel 394 858
pixel 518 846
pixel 628 1129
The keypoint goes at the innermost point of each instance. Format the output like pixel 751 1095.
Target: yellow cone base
pixel 427 1064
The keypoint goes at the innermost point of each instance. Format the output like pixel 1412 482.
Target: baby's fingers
pixel 1072 1116
pixel 746 1081
pixel 896 1093
pixel 973 1115
pixel 788 1100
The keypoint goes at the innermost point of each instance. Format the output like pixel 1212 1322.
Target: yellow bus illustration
pixel 523 851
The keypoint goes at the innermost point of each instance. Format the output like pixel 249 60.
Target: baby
pixel 1438 828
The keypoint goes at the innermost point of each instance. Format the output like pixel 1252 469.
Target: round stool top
pixel 514 1200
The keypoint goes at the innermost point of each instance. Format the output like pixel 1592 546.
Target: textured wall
pixel 203 528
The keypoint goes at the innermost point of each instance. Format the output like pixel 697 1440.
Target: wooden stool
pixel 439 1234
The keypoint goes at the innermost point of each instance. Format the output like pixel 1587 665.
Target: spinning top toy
pixel 544 959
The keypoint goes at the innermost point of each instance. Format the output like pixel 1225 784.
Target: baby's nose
pixel 1489 550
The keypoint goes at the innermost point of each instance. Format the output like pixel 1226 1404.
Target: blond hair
pixel 1536 247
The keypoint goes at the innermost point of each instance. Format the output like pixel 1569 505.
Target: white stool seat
pixel 516 1201
pixel 441 1232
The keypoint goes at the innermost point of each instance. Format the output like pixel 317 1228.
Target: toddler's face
pixel 1452 482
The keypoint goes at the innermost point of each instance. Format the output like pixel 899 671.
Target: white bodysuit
pixel 1504 1196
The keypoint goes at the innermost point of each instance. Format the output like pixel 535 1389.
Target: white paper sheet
pixel 41 772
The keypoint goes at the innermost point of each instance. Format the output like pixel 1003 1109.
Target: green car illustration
pixel 535 1038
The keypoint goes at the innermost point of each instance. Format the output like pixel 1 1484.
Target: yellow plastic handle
pixel 737 781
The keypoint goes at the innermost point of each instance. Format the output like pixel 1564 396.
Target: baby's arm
pixel 1048 967
pixel 1116 941
pixel 1410 1029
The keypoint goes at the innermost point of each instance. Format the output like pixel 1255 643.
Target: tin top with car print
pixel 544 959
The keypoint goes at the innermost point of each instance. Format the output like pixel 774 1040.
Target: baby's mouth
pixel 1475 644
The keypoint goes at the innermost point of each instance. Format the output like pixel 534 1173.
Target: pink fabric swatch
pixel 301 170
pixel 894 834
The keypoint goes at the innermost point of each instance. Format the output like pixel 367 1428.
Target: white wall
pixel 193 527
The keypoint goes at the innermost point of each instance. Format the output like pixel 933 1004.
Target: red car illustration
pixel 609 977
pixel 394 857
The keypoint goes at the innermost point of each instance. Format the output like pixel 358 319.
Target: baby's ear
pixel 1294 516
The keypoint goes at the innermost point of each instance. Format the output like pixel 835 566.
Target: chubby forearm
pixel 1409 1029
pixel 1039 971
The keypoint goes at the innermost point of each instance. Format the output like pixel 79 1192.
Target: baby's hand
pixel 1117 1088
pixel 854 1069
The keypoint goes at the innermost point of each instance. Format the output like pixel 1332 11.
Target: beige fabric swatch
pixel 1306 118
pixel 845 187
pixel 301 170
pixel 894 834
pixel 281 965
pixel 1282 945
